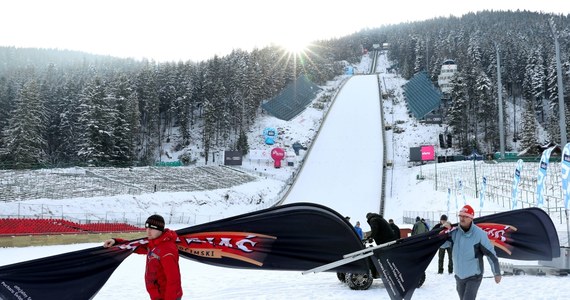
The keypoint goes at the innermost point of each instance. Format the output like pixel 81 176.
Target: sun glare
pixel 295 46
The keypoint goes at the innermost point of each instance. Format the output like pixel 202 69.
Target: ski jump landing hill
pixel 343 168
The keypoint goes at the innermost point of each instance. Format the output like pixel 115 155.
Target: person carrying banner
pixel 162 275
pixel 470 243
pixel 381 231
pixel 446 247
pixel 395 228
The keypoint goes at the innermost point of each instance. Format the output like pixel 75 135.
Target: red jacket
pixel 162 275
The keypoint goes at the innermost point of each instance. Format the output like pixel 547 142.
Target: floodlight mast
pixel 500 94
pixel 562 115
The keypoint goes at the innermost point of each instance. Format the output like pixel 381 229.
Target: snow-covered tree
pixel 487 112
pixel 96 119
pixel 457 111
pixel 529 125
pixel 23 140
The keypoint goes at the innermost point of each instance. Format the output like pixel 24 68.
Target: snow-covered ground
pixel 403 193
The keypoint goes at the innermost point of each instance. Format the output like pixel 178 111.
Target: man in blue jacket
pixel 470 243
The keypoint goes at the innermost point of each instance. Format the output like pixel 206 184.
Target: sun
pixel 295 46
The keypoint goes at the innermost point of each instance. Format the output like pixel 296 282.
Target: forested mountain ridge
pixel 525 43
pixel 98 110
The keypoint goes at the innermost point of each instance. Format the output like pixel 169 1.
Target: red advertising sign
pixel 428 152
pixel 277 154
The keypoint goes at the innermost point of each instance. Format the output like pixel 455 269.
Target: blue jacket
pixel 468 250
pixel 359 232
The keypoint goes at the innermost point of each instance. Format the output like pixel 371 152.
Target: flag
pixel 298 236
pixel 457 191
pixel 461 191
pixel 540 182
pixel 565 167
pixel 482 194
pixel 523 234
pixel 516 181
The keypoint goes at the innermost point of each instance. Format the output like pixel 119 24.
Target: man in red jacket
pixel 162 275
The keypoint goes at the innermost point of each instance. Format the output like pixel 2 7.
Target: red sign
pixel 277 154
pixel 428 153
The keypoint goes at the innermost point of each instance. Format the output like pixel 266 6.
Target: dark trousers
pixel 467 288
pixel 441 254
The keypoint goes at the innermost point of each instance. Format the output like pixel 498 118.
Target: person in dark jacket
pixel 381 231
pixel 419 226
pixel 446 247
pixel 395 228
pixel 162 275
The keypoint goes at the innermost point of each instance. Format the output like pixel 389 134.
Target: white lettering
pixel 241 245
pixel 226 242
pixel 246 244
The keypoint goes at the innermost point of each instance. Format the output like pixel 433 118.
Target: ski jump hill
pixel 343 168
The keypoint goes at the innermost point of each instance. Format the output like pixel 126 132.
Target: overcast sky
pixel 172 30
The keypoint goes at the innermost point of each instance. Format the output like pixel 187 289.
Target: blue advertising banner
pixel 482 194
pixel 542 176
pixel 516 181
pixel 460 187
pixel 565 167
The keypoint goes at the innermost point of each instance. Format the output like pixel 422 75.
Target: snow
pixel 344 160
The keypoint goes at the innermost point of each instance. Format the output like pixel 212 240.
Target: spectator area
pixel 28 226
pixel 292 100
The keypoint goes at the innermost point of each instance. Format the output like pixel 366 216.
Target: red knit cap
pixel 467 211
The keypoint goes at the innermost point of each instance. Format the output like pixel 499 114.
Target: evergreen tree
pixel 7 100
pixel 529 124
pixel 23 140
pixel 149 106
pixel 67 143
pixel 487 110
pixel 457 112
pixel 97 117
pixel 126 107
pixel 214 115
pixel 242 143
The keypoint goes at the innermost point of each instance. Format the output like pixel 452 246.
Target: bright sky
pixel 196 30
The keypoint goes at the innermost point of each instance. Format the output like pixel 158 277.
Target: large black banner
pixel 70 276
pixel 291 237
pixel 298 236
pixel 524 234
